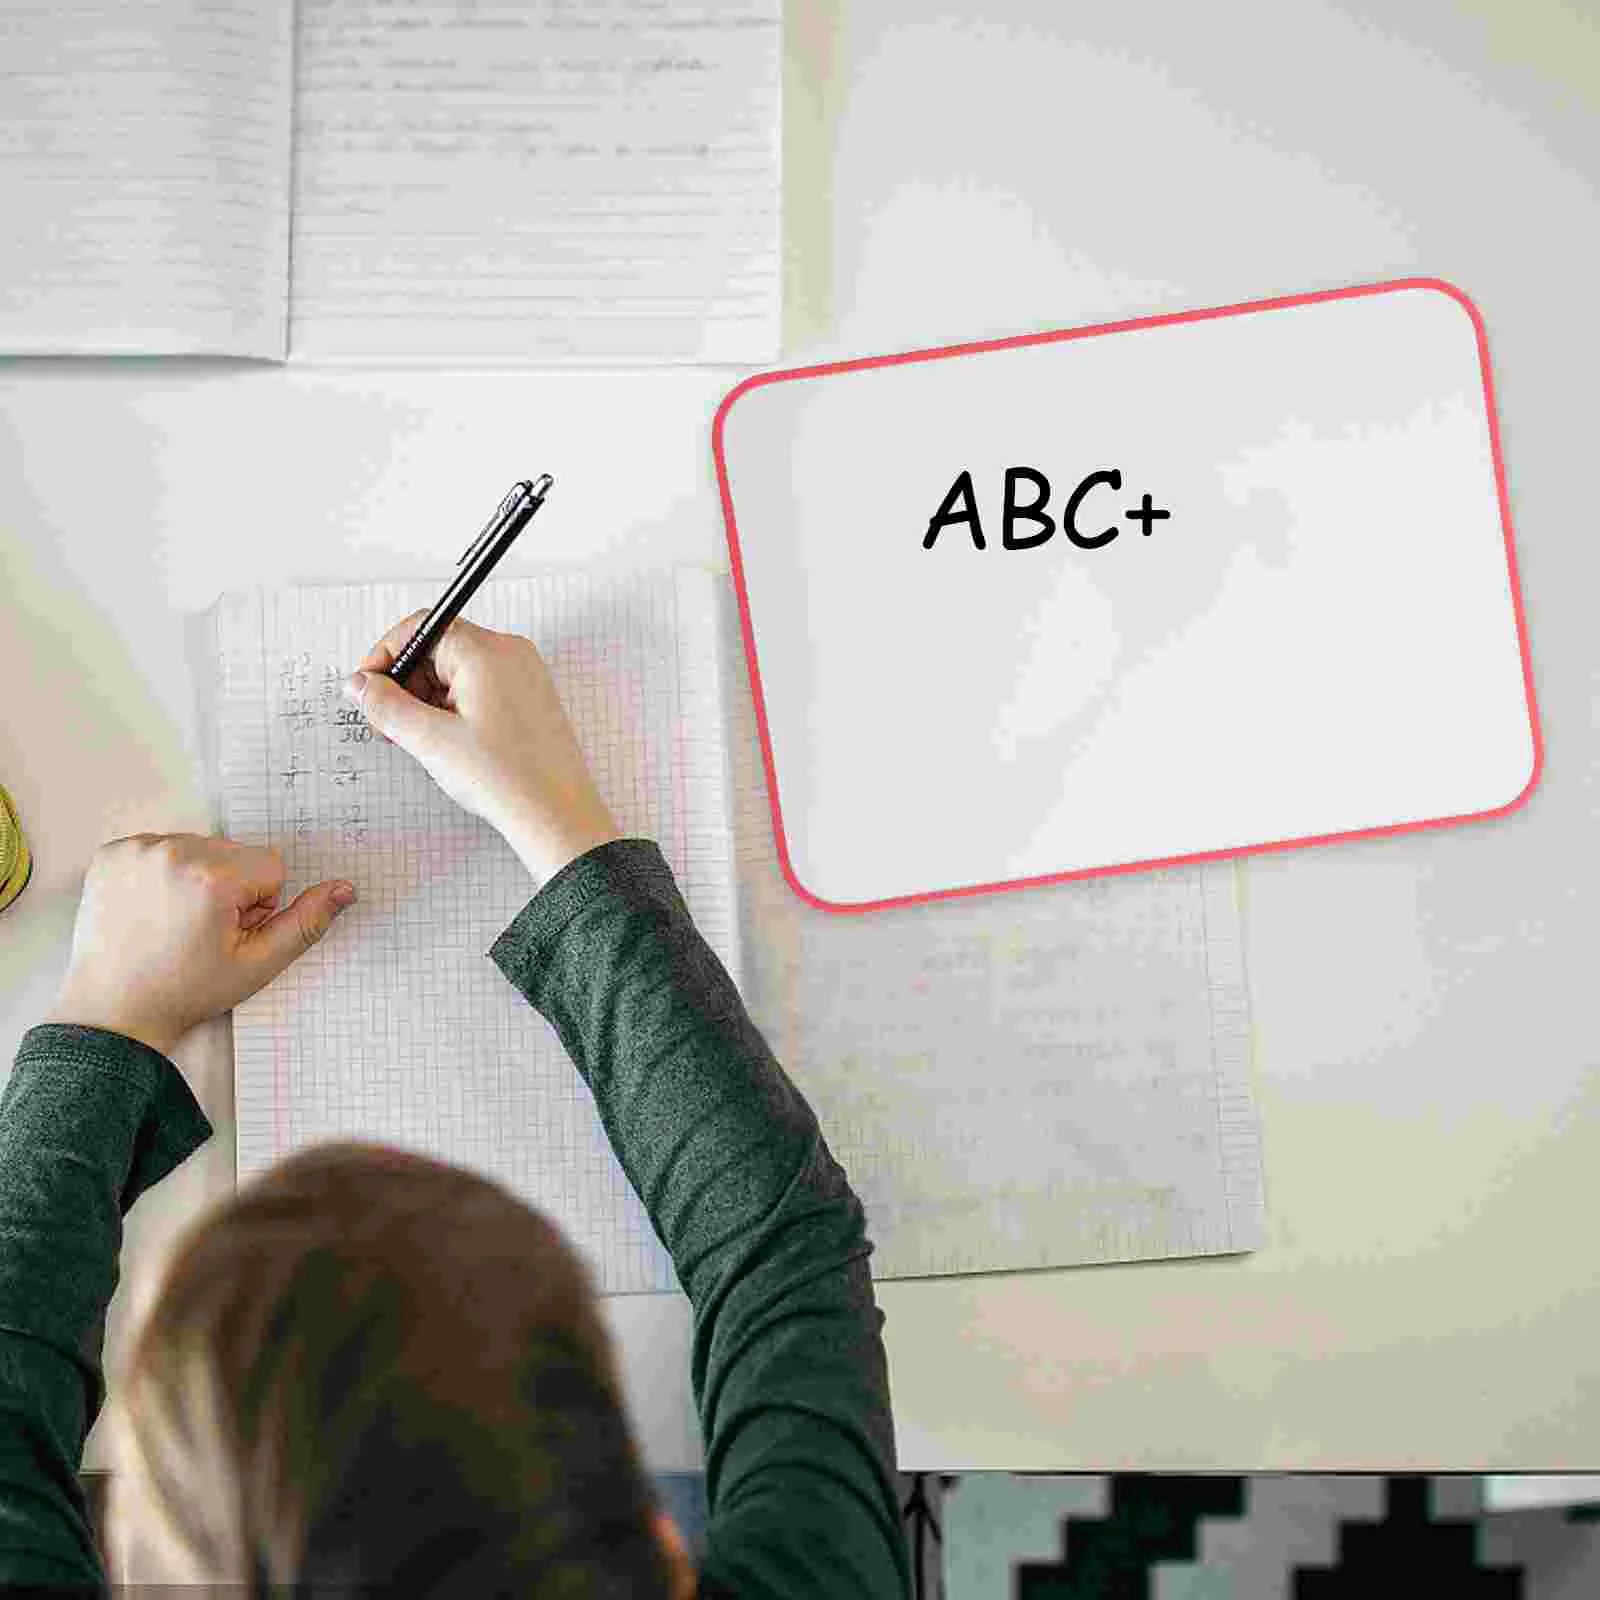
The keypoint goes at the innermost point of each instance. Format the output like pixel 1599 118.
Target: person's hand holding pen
pixel 480 712
pixel 485 721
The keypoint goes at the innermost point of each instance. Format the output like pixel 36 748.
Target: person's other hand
pixel 175 928
pixel 484 719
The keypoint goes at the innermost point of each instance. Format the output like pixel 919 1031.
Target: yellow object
pixel 16 865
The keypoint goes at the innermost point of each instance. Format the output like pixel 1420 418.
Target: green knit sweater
pixel 767 1237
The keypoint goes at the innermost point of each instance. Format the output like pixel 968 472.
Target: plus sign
pixel 1147 513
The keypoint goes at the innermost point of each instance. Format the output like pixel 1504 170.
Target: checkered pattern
pixel 1151 1537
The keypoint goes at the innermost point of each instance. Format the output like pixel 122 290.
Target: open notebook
pixel 1026 1080
pixel 500 180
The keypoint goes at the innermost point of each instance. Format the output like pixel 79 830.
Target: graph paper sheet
pixel 1037 1079
pixel 398 1028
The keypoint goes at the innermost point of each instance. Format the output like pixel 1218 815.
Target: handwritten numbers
pixel 325 743
pixel 352 726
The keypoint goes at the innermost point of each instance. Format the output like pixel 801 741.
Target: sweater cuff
pixel 171 1126
pixel 630 872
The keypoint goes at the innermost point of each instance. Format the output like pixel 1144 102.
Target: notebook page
pixel 398 1027
pixel 1042 1078
pixel 516 180
pixel 144 176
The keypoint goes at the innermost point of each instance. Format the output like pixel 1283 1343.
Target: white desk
pixel 1427 1064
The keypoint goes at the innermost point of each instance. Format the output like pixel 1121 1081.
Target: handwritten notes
pixel 316 723
pixel 398 1028
pixel 551 181
pixel 144 177
pixel 499 180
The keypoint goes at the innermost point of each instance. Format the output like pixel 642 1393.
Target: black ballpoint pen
pixel 511 516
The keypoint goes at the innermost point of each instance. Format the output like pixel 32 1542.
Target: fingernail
pixel 344 894
pixel 355 686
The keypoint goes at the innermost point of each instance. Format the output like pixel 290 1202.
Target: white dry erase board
pixel 1321 639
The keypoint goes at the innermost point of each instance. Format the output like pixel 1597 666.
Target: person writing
pixel 369 1371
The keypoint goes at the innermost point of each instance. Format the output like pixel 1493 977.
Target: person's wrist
pixel 545 861
pixel 545 848
pixel 72 1010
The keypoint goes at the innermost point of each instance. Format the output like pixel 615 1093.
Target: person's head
pixel 370 1370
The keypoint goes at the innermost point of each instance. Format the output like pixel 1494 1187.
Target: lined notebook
pixel 1020 1081
pixel 487 179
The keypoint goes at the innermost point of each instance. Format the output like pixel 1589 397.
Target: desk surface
pixel 1430 1290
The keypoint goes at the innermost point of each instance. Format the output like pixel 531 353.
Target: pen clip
pixel 502 514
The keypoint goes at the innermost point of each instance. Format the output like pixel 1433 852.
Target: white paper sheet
pixel 1039 1078
pixel 144 177
pixel 506 181
pixel 399 1028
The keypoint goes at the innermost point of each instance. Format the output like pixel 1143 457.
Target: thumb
pixel 286 936
pixel 393 712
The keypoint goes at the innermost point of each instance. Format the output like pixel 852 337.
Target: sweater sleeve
pixel 768 1239
pixel 88 1121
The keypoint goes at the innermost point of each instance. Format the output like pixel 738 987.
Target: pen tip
pixel 541 485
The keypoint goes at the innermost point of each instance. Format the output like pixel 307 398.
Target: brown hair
pixel 370 1369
